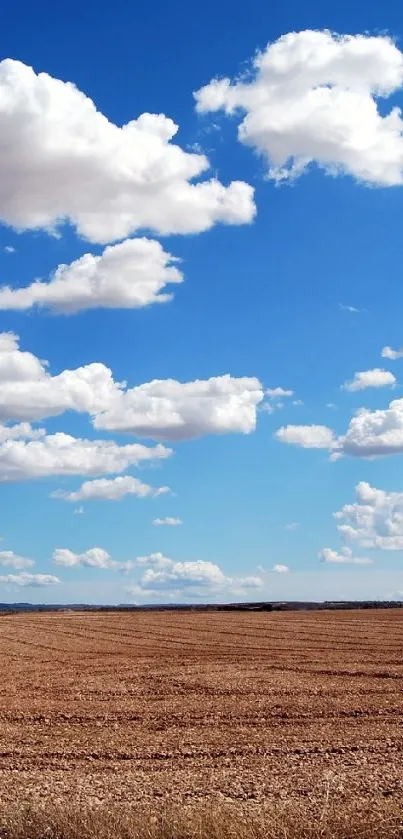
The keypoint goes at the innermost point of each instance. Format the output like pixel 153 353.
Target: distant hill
pixel 270 606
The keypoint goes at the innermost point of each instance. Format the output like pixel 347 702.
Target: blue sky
pixel 291 280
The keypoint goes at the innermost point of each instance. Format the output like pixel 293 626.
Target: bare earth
pixel 201 707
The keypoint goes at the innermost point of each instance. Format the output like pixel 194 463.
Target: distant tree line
pixel 283 606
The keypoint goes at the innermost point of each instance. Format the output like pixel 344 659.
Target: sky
pixel 201 358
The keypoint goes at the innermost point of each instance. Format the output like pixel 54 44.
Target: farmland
pixel 201 708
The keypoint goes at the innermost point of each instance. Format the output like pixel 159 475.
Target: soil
pixel 232 707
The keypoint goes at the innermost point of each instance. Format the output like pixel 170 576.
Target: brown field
pixel 298 710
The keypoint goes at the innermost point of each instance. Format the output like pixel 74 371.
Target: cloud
pixel 62 454
pixel 345 557
pixel 93 558
pixel 20 431
pixel 275 399
pixel 393 355
pixel 242 585
pixel 375 520
pixel 375 433
pixel 307 436
pixel 164 571
pixel 63 160
pixel 79 511
pixel 165 578
pixel 129 275
pixel 114 489
pixel 9 249
pixel 278 393
pixel 29 392
pixel 12 560
pixel 370 434
pixel 370 378
pixel 30 580
pixel 281 569
pixel 293 525
pixel 169 521
pixel 172 410
pixel 312 97
pixel 352 309
pixel 156 559
pixel 161 409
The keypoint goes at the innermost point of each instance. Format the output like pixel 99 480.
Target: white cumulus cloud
pixel 63 160
pixel 370 378
pixel 12 560
pixel 172 410
pixel 161 409
pixel 62 454
pixel 29 392
pixel 370 434
pixel 393 355
pixel 165 578
pixel 169 521
pixel 111 489
pixel 374 520
pixel 93 558
pixel 20 431
pixel 312 97
pixel 344 557
pixel 307 436
pixel 29 580
pixel 375 433
pixel 281 569
pixel 129 275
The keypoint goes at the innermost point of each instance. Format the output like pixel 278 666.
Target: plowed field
pixel 137 707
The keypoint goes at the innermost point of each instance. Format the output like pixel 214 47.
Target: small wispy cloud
pixel 169 521
pixel 391 354
pixel 9 249
pixel 281 569
pixel 352 309
pixel 343 557
pixel 275 397
pixel 292 525
pixel 278 392
pixel 29 580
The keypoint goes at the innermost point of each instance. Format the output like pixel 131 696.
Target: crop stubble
pixel 201 707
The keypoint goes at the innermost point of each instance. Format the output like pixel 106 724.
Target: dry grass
pixel 375 822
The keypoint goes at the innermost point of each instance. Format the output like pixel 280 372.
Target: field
pixel 259 711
